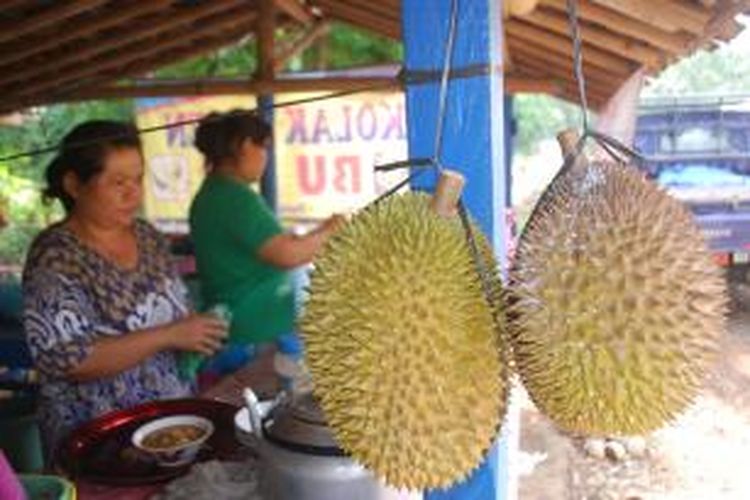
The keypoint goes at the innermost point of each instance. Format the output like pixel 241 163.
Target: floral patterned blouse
pixel 74 296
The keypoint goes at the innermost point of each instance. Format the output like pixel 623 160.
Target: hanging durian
pixel 618 305
pixel 402 344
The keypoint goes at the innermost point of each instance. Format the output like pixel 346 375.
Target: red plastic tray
pixel 101 451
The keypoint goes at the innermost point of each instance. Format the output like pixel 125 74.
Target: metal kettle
pixel 299 457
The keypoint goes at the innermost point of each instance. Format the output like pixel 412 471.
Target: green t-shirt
pixel 229 222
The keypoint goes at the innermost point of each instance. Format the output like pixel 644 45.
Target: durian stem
pixel 568 140
pixel 447 193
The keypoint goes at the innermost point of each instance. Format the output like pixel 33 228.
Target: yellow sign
pixel 326 152
pixel 174 167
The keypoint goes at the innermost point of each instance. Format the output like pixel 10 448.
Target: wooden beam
pixel 520 84
pixel 107 19
pixel 672 15
pixel 266 32
pixel 724 18
pixel 674 43
pixel 524 51
pixel 198 47
pixel 569 92
pixel 360 17
pixel 600 38
pixel 317 30
pixel 514 84
pixel 295 10
pixel 368 8
pixel 593 85
pixel 562 45
pixel 138 51
pixel 55 13
pixel 9 5
pixel 230 87
pixel 120 40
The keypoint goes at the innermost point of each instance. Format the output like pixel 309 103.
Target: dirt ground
pixel 704 455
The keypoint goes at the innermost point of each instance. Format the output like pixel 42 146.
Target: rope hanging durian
pixel 618 305
pixel 403 347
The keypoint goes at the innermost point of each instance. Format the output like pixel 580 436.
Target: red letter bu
pixel 312 181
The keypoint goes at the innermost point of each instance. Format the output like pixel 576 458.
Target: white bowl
pixel 174 456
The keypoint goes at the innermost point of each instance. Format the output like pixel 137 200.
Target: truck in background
pixel 698 149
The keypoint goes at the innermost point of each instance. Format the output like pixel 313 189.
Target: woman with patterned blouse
pixel 104 311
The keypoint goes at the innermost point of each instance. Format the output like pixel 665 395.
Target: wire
pixel 443 96
pixel 575 34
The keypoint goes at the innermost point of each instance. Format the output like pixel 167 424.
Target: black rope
pixel 616 149
pixel 411 163
pixel 414 175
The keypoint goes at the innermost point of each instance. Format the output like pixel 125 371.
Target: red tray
pixel 101 452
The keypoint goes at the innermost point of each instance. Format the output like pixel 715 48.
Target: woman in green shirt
pixel 243 255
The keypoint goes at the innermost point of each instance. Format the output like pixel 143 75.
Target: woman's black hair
pixel 83 152
pixel 220 135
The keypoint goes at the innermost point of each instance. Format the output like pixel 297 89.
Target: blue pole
pixel 268 182
pixel 473 143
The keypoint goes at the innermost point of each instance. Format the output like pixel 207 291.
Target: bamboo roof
pixel 64 50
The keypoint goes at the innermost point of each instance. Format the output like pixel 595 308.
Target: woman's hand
pixel 203 333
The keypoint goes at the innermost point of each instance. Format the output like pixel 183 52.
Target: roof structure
pixel 64 50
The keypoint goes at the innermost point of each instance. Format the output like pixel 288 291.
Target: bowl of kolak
pixel 173 441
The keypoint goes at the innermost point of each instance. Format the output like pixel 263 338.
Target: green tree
pixel 21 179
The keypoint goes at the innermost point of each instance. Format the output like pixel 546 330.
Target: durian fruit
pixel 617 304
pixel 403 346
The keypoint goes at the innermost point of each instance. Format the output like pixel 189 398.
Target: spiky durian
pixel 402 345
pixel 618 305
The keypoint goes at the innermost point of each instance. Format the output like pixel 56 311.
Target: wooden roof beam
pixel 229 87
pixel 601 38
pixel 198 47
pixel 295 10
pixel 9 5
pixel 311 35
pixel 569 91
pixel 533 56
pixel 140 50
pixel 107 19
pixel 266 33
pixel 55 13
pixel 359 17
pixel 562 45
pixel 724 19
pixel 674 43
pixel 514 84
pixel 522 84
pixel 672 15
pixel 593 85
pixel 73 58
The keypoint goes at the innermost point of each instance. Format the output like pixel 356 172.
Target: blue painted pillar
pixel 473 143
pixel 268 183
